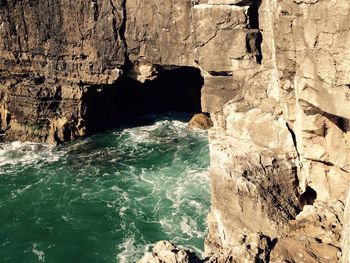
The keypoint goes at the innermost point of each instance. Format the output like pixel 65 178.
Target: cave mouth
pixel 174 89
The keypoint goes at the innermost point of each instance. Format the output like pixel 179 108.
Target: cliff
pixel 275 78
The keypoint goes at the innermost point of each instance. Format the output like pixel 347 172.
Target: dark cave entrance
pixel 175 89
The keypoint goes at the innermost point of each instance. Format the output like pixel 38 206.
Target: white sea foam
pixel 122 211
pixel 139 197
pixel 38 253
pixel 143 178
pixel 128 251
pixel 184 226
pixel 156 207
pixel 198 206
pixel 21 191
pixel 65 218
pixel 155 133
pixel 166 224
pixel 25 153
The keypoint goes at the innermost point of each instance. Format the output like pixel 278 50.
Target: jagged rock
pixel 200 121
pixel 252 248
pixel 145 72
pixel 313 237
pixel 166 252
pixel 346 232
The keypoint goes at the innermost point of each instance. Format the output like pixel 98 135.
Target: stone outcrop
pixel 200 121
pixel 276 84
pixel 165 251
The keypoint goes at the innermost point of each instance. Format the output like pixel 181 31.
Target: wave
pixel 120 191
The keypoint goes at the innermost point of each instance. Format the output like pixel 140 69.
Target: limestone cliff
pixel 276 84
pixel 280 146
pixel 346 233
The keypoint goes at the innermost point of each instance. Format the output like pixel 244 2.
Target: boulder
pixel 200 121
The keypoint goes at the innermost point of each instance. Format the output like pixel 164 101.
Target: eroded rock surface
pixel 166 252
pixel 50 54
pixel 276 84
pixel 346 233
pixel 281 144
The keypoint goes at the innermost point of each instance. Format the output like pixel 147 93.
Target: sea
pixel 106 198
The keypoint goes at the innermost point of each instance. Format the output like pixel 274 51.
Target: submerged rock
pixel 200 121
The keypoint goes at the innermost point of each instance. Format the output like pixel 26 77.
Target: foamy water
pixel 104 199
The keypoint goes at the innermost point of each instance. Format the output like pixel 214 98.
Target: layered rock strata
pixel 51 52
pixel 276 84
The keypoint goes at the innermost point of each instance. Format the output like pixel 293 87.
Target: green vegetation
pixel 36 126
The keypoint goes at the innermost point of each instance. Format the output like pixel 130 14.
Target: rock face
pixel 50 51
pixel 346 233
pixel 276 84
pixel 281 143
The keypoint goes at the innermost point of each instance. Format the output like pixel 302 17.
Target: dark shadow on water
pixel 129 122
pixel 132 121
pixel 129 103
pixel 150 119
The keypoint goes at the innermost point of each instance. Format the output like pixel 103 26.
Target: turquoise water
pixel 106 198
